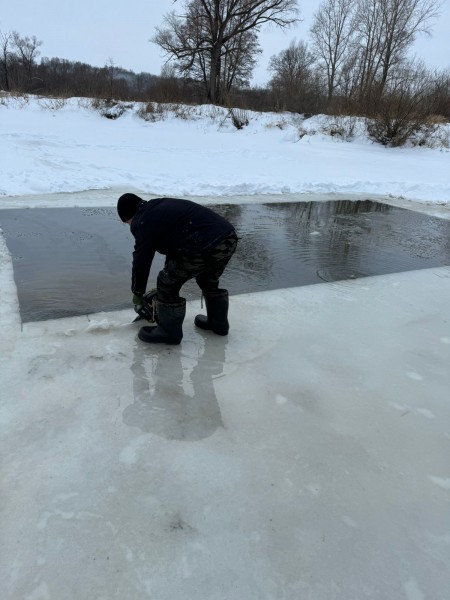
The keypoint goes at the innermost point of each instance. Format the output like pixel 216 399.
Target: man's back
pixel 175 225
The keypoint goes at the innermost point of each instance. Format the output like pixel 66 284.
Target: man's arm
pixel 143 255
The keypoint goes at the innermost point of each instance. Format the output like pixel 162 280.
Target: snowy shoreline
pixel 107 199
pixel 196 152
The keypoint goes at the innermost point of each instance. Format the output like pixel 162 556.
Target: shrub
pixel 402 112
pixel 433 134
pixel 396 131
pixel 339 126
pixel 216 114
pixel 239 117
pixel 280 124
pixel 302 132
pixel 52 103
pixel 152 111
pixel 19 99
pixel 111 109
pixel 183 111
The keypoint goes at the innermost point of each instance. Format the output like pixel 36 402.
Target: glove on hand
pixel 137 299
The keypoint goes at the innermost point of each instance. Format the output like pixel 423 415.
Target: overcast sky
pixel 94 31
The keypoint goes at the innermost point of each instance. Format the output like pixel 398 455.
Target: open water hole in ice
pixel 74 261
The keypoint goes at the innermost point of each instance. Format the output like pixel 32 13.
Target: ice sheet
pixel 305 456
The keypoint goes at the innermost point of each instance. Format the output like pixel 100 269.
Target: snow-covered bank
pixel 67 147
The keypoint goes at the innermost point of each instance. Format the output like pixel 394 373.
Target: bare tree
pixel 386 29
pixel 211 35
pixel 333 34
pixel 295 83
pixel 403 20
pixel 6 54
pixel 239 59
pixel 27 52
pixel 111 72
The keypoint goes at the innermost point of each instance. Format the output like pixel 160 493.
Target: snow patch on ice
pixel 100 326
pixel 129 454
pixel 400 407
pixel 439 539
pixel 280 400
pixel 414 376
pixel 43 521
pixel 69 332
pixel 442 482
pixel 6 415
pixel 412 590
pixel 350 522
pixel 404 409
pixel 40 593
pixel 64 497
pixel 313 488
pixel 425 413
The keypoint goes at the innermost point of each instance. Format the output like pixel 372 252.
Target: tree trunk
pixel 214 75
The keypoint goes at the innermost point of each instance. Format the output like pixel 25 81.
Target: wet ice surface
pixel 77 261
pixel 304 456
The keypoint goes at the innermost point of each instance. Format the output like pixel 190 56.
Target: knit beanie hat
pixel 127 206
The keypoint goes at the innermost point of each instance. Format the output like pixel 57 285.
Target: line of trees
pixel 357 54
pixel 356 60
pixel 17 60
pixel 21 72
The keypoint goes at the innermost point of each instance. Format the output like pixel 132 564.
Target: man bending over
pixel 197 242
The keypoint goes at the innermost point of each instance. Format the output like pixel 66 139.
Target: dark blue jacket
pixel 172 226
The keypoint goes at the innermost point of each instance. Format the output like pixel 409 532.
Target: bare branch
pixel 220 36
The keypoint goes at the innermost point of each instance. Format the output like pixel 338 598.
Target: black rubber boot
pixel 170 319
pixel 217 311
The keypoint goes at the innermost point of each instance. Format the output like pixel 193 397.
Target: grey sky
pixel 93 31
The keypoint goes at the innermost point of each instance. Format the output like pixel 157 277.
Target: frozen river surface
pixel 303 457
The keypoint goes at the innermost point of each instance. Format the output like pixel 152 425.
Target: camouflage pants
pixel 206 267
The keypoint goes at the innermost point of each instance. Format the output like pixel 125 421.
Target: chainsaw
pixel 147 310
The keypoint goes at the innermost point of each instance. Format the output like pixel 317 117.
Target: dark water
pixel 73 261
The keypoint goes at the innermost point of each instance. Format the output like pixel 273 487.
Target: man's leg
pixel 214 265
pixel 171 279
pixel 207 269
pixel 216 299
pixel 170 307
